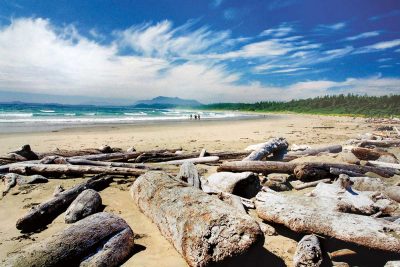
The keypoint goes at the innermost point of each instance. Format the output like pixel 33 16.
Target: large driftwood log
pixel 272 146
pixel 308 252
pixel 307 215
pixel 12 179
pixel 102 239
pixel 268 167
pixel 345 199
pixel 203 229
pixel 193 160
pixel 376 184
pixel 244 184
pixel 46 212
pixel 384 164
pixel 67 169
pixel 311 152
pixel 189 174
pixel 85 204
pixel 380 143
pixel 373 154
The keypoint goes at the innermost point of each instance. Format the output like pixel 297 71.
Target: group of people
pixel 195 116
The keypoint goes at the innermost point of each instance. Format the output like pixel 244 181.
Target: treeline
pixel 335 104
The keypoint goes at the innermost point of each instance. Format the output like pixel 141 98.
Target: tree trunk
pixel 45 213
pixel 203 229
pixel 193 160
pixel 384 164
pixel 307 215
pixel 308 252
pixel 189 174
pixel 272 146
pixel 111 164
pixel 372 154
pixel 66 169
pixel 86 203
pixel 103 237
pixel 268 167
pixel 311 152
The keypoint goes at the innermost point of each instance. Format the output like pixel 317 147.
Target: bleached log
pixel 380 143
pixel 376 184
pixel 102 239
pixel 203 229
pixel 67 169
pixel 307 215
pixel 26 152
pixel 308 252
pixel 45 213
pixel 85 204
pixel 108 163
pixel 372 154
pixel 232 200
pixel 311 152
pixel 245 184
pixel 193 160
pixel 268 167
pixel 12 179
pixel 337 172
pixel 189 174
pixel 272 146
pixel 267 229
pixel 345 199
pixel 384 164
pixel 397 131
pixel 202 153
pixel 311 184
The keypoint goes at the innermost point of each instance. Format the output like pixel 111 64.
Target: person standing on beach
pixel 191 117
pixel 198 116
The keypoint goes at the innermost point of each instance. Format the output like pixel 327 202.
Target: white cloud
pixel 37 57
pixel 332 27
pixel 379 46
pixel 282 30
pixel 362 36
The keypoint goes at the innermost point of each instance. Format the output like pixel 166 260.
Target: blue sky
pixel 209 50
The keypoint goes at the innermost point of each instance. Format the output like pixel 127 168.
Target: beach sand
pixel 152 248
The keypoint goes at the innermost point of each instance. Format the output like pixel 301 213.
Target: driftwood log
pixel 373 154
pixel 307 215
pixel 67 169
pixel 86 203
pixel 102 239
pixel 310 184
pixel 12 179
pixel 384 164
pixel 268 167
pixel 207 159
pixel 308 252
pixel 203 229
pixel 376 184
pixel 380 143
pixel 272 146
pixel 311 152
pixel 244 184
pixel 43 214
pixel 189 174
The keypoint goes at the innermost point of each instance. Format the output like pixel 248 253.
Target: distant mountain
pixel 167 102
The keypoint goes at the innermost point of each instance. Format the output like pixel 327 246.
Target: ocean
pixel 36 117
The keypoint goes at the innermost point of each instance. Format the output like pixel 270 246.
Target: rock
pixel 308 252
pixel 102 239
pixel 244 184
pixel 202 228
pixel 85 204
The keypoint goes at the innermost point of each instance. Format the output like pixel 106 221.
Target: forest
pixel 359 105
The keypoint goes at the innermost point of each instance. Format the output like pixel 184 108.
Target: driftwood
pixel 343 198
pixel 85 204
pixel 272 146
pixel 311 152
pixel 268 167
pixel 244 184
pixel 203 153
pixel 232 200
pixel 380 143
pixel 337 172
pixel 373 154
pixel 189 174
pixel 307 215
pixel 308 252
pixel 12 179
pixel 26 152
pixel 102 239
pixel 193 160
pixel 310 184
pixel 376 184
pixel 46 212
pixel 202 228
pixel 384 164
pixel 67 169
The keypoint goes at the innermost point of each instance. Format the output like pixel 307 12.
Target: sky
pixel 208 50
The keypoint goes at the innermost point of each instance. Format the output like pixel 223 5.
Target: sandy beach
pixel 152 249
